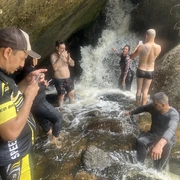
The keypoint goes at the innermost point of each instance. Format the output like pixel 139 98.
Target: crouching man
pixel 161 137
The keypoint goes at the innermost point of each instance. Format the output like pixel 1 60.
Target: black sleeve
pixel 140 109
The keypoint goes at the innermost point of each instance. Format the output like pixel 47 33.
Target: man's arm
pixel 22 85
pixel 158 149
pixel 172 126
pixel 56 62
pixel 70 61
pixel 136 52
pixel 12 121
pixel 11 128
pixel 140 109
pixel 167 136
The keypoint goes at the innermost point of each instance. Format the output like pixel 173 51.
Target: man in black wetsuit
pixel 161 137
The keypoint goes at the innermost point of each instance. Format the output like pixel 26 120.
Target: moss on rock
pixel 47 21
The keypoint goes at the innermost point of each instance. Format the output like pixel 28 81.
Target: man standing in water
pixel 61 61
pixel 161 137
pixel 147 53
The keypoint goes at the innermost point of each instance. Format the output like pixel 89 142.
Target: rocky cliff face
pixel 167 76
pixel 47 21
pixel 160 15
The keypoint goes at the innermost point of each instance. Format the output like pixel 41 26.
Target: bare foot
pixel 58 144
pixel 50 132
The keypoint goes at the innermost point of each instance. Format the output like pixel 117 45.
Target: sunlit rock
pixel 84 176
pixel 95 158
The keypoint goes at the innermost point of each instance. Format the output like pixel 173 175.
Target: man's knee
pixel 71 94
pixel 142 140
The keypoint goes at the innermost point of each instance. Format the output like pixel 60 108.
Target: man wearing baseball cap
pixel 17 125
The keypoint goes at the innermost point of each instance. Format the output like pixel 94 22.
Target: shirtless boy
pixel 147 53
pixel 61 61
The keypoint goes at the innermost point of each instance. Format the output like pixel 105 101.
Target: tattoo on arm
pixel 145 51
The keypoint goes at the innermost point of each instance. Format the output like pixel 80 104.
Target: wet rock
pixel 113 97
pixel 94 113
pixel 144 122
pixel 95 158
pixel 174 164
pixel 84 176
pixel 107 125
pixel 167 76
pixel 140 177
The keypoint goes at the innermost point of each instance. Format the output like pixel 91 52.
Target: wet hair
pixel 127 46
pixel 151 33
pixel 161 97
pixel 57 43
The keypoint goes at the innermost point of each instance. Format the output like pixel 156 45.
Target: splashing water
pixel 101 69
pixel 100 64
pixel 98 82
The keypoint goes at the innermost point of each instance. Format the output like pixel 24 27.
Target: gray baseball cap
pixel 16 38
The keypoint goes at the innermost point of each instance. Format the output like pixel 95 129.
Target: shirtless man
pixel 147 53
pixel 60 61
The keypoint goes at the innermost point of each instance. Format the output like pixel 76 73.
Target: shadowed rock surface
pixel 160 15
pixel 167 76
pixel 47 21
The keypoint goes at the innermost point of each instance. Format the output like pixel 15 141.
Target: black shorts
pixel 144 74
pixel 63 85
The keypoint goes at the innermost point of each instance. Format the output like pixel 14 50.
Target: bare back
pixel 148 53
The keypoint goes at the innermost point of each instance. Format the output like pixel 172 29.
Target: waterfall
pixel 100 65
pixel 97 116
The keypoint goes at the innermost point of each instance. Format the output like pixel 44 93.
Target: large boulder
pixel 47 21
pixel 95 158
pixel 167 76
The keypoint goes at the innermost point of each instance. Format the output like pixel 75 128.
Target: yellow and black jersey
pixel 11 100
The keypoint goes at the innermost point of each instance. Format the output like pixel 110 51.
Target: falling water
pixel 100 64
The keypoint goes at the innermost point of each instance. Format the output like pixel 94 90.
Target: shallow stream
pixel 97 116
